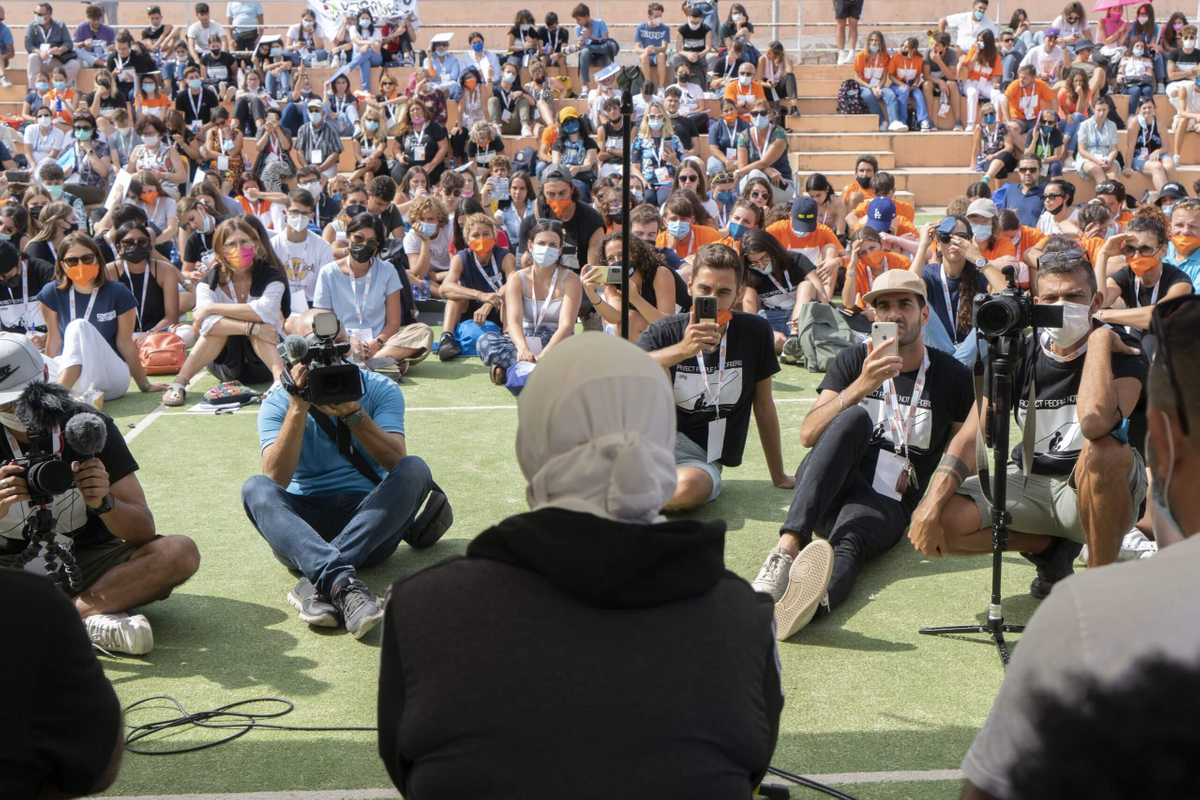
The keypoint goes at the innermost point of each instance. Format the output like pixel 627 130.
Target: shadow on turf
pixel 189 635
pixel 918 745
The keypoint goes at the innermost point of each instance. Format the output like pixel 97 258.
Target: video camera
pixel 1011 311
pixel 331 378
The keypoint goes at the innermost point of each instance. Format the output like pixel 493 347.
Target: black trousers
pixel 834 497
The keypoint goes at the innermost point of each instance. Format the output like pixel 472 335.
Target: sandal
pixel 499 375
pixel 180 392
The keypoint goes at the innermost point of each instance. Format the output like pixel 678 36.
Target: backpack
pixel 849 99
pixel 631 78
pixel 161 353
pixel 524 160
pixel 823 333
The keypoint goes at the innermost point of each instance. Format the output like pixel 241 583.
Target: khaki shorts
pixel 93 561
pixel 1049 505
pixel 690 454
pixel 417 336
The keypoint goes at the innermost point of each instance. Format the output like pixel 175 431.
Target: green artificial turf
pixel 865 692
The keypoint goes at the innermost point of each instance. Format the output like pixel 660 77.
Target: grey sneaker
pixel 447 347
pixel 773 577
pixel 1053 565
pixel 120 633
pixel 807 582
pixel 359 606
pixel 314 609
pixel 792 352
pixel 6 83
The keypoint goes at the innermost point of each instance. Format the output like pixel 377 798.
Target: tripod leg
pixel 954 629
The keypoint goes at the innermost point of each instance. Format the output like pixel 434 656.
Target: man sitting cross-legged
pixel 1087 481
pixel 124 563
pixel 873 450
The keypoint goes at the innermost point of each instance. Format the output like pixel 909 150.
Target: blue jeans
pixel 902 93
pixel 497 350
pixel 935 335
pixel 172 71
pixel 778 318
pixel 600 53
pixel 453 89
pixel 279 84
pixel 308 59
pixel 329 537
pixel 294 115
pixel 889 100
pixel 1136 92
pixel 1010 63
pixel 363 62
pixel 1160 67
pixel 1069 127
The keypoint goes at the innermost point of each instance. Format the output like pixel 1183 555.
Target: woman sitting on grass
pixel 655 290
pixel 153 282
pixel 240 306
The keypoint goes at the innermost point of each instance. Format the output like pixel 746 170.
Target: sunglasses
pixel 362 240
pixel 689 178
pixel 944 238
pixel 1046 197
pixel 1065 255
pixel 75 261
pixel 1027 170
pixel 1129 251
pixel 126 244
pixel 759 196
pixel 83 128
pixel 1106 188
pixel 758 113
pixel 1169 315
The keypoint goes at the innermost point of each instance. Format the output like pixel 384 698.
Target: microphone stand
pixel 626 146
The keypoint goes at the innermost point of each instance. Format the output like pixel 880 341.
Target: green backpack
pixel 823 333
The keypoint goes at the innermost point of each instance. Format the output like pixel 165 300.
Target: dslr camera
pixel 46 474
pixel 331 378
pixel 1010 312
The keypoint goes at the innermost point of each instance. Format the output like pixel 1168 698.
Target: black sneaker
pixel 1053 565
pixel 447 347
pixel 432 522
pixel 359 606
pixel 314 609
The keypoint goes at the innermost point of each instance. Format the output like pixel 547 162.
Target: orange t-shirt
pixel 906 70
pixel 903 209
pixel 853 187
pixel 981 72
pixel 1123 219
pixel 865 278
pixel 871 69
pixel 48 100
pixel 809 246
pixel 1030 237
pixel 149 104
pixel 729 241
pixel 743 96
pixel 1028 103
pixel 549 136
pixel 1003 247
pixel 701 235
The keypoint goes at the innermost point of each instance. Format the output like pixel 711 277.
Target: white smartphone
pixel 881 331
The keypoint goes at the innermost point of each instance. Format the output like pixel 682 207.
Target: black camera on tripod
pixel 331 378
pixel 1010 312
pixel 46 474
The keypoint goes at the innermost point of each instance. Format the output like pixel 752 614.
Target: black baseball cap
pixel 804 215
pixel 1172 190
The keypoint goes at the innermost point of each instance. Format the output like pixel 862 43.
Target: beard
pixel 907 334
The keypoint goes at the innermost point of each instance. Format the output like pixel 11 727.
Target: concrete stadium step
pixel 837 160
pixel 818 105
pixel 822 72
pixel 818 87
pixel 833 123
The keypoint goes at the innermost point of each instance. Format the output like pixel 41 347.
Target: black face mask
pixel 354 211
pixel 13 281
pixel 863 182
pixel 362 253
pixel 35 212
pixel 136 253
pixel 103 84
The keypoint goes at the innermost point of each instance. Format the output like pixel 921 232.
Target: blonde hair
pixel 478 219
pixel 667 130
pixel 428 202
pixel 51 215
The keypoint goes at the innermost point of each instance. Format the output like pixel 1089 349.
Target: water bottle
pixel 342 58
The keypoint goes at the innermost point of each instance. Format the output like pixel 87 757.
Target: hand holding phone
pixel 703 333
pixel 883 339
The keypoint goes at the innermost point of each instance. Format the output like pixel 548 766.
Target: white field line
pixel 159 411
pixel 834 779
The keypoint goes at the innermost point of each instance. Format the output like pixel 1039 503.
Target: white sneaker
pixel 808 581
pixel 526 131
pixel 1069 164
pixel 5 82
pixel 1134 547
pixel 121 633
pixel 773 577
pixel 897 125
pixel 845 56
pixel 970 128
pixel 926 126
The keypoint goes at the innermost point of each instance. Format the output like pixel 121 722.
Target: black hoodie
pixel 572 656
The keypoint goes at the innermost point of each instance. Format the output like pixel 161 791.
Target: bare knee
pixel 693 488
pixel 178 558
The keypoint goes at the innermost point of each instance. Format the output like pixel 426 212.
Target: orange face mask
pixel 82 273
pixel 1186 245
pixel 729 118
pixel 874 260
pixel 1142 264
pixel 481 247
pixel 723 317
pixel 558 206
pixel 149 197
pixel 470 84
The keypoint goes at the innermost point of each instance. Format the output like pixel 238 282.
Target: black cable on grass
pixel 242 722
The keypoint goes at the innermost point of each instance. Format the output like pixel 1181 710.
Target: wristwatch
pixel 353 418
pixel 106 505
pixel 980 262
pixel 379 340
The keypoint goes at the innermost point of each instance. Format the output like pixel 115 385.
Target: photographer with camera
pixel 102 519
pixel 1086 481
pixel 338 490
pixel 886 411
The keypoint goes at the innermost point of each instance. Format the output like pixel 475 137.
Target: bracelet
pixel 842 399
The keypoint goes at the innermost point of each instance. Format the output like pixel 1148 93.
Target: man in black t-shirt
pixel 195 101
pixel 218 66
pixel 583 228
pixel 712 409
pixel 1087 482
pixel 874 447
pixel 103 520
pixel 695 43
pixel 20 281
pixel 1144 281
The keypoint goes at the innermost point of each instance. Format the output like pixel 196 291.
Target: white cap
pixel 270 39
pixel 441 38
pixel 608 72
pixel 20 365
pixel 982 207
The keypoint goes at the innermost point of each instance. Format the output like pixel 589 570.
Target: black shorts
pixel 847 9
pixel 238 362
pixel 93 561
pixel 1007 159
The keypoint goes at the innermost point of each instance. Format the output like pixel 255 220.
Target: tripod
pixel 1003 356
pixel 39 529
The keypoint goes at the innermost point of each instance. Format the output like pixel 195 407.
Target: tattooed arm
pixel 925 529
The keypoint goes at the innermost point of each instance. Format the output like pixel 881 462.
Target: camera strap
pixel 341 437
pixel 55 436
pixel 1028 436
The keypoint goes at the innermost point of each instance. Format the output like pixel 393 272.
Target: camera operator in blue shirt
pixel 326 513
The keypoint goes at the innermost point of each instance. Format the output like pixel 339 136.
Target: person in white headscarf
pixel 588 630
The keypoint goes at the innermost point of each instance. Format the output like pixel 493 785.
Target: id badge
pixel 1045 170
pixel 195 126
pixel 315 157
pixel 716 439
pixel 299 300
pixel 889 472
pixel 662 175
pixel 419 155
pixel 534 343
pixel 731 152
pixel 362 334
pixel 505 115
pixel 222 162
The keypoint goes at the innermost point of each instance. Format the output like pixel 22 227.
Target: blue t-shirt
pixel 1028 206
pixel 321 469
pixel 112 300
pixel 671 257
pixel 651 36
pixel 932 275
pixel 596 30
pixel 723 136
pixel 338 293
pixel 6 37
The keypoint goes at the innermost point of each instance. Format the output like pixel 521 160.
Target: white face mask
pixel 744 80
pixel 10 420
pixel 312 188
pixel 1143 19
pixel 124 131
pixel 544 255
pixel 1189 43
pixel 737 18
pixel 297 222
pixel 694 24
pixel 1077 322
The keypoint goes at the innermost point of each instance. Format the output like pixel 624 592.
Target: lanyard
pixel 196 103
pixel 418 145
pixel 787 280
pixel 495 276
pixel 731 134
pixel 900 425
pixel 722 215
pixel 45 33
pixel 56 437
pixel 950 306
pixel 1137 292
pixel 504 98
pixel 354 293
pixel 539 316
pixel 120 64
pixel 716 398
pixel 88 312
pixel 339 109
pixel 1146 135
pixel 24 297
pixel 145 283
pixel 762 151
